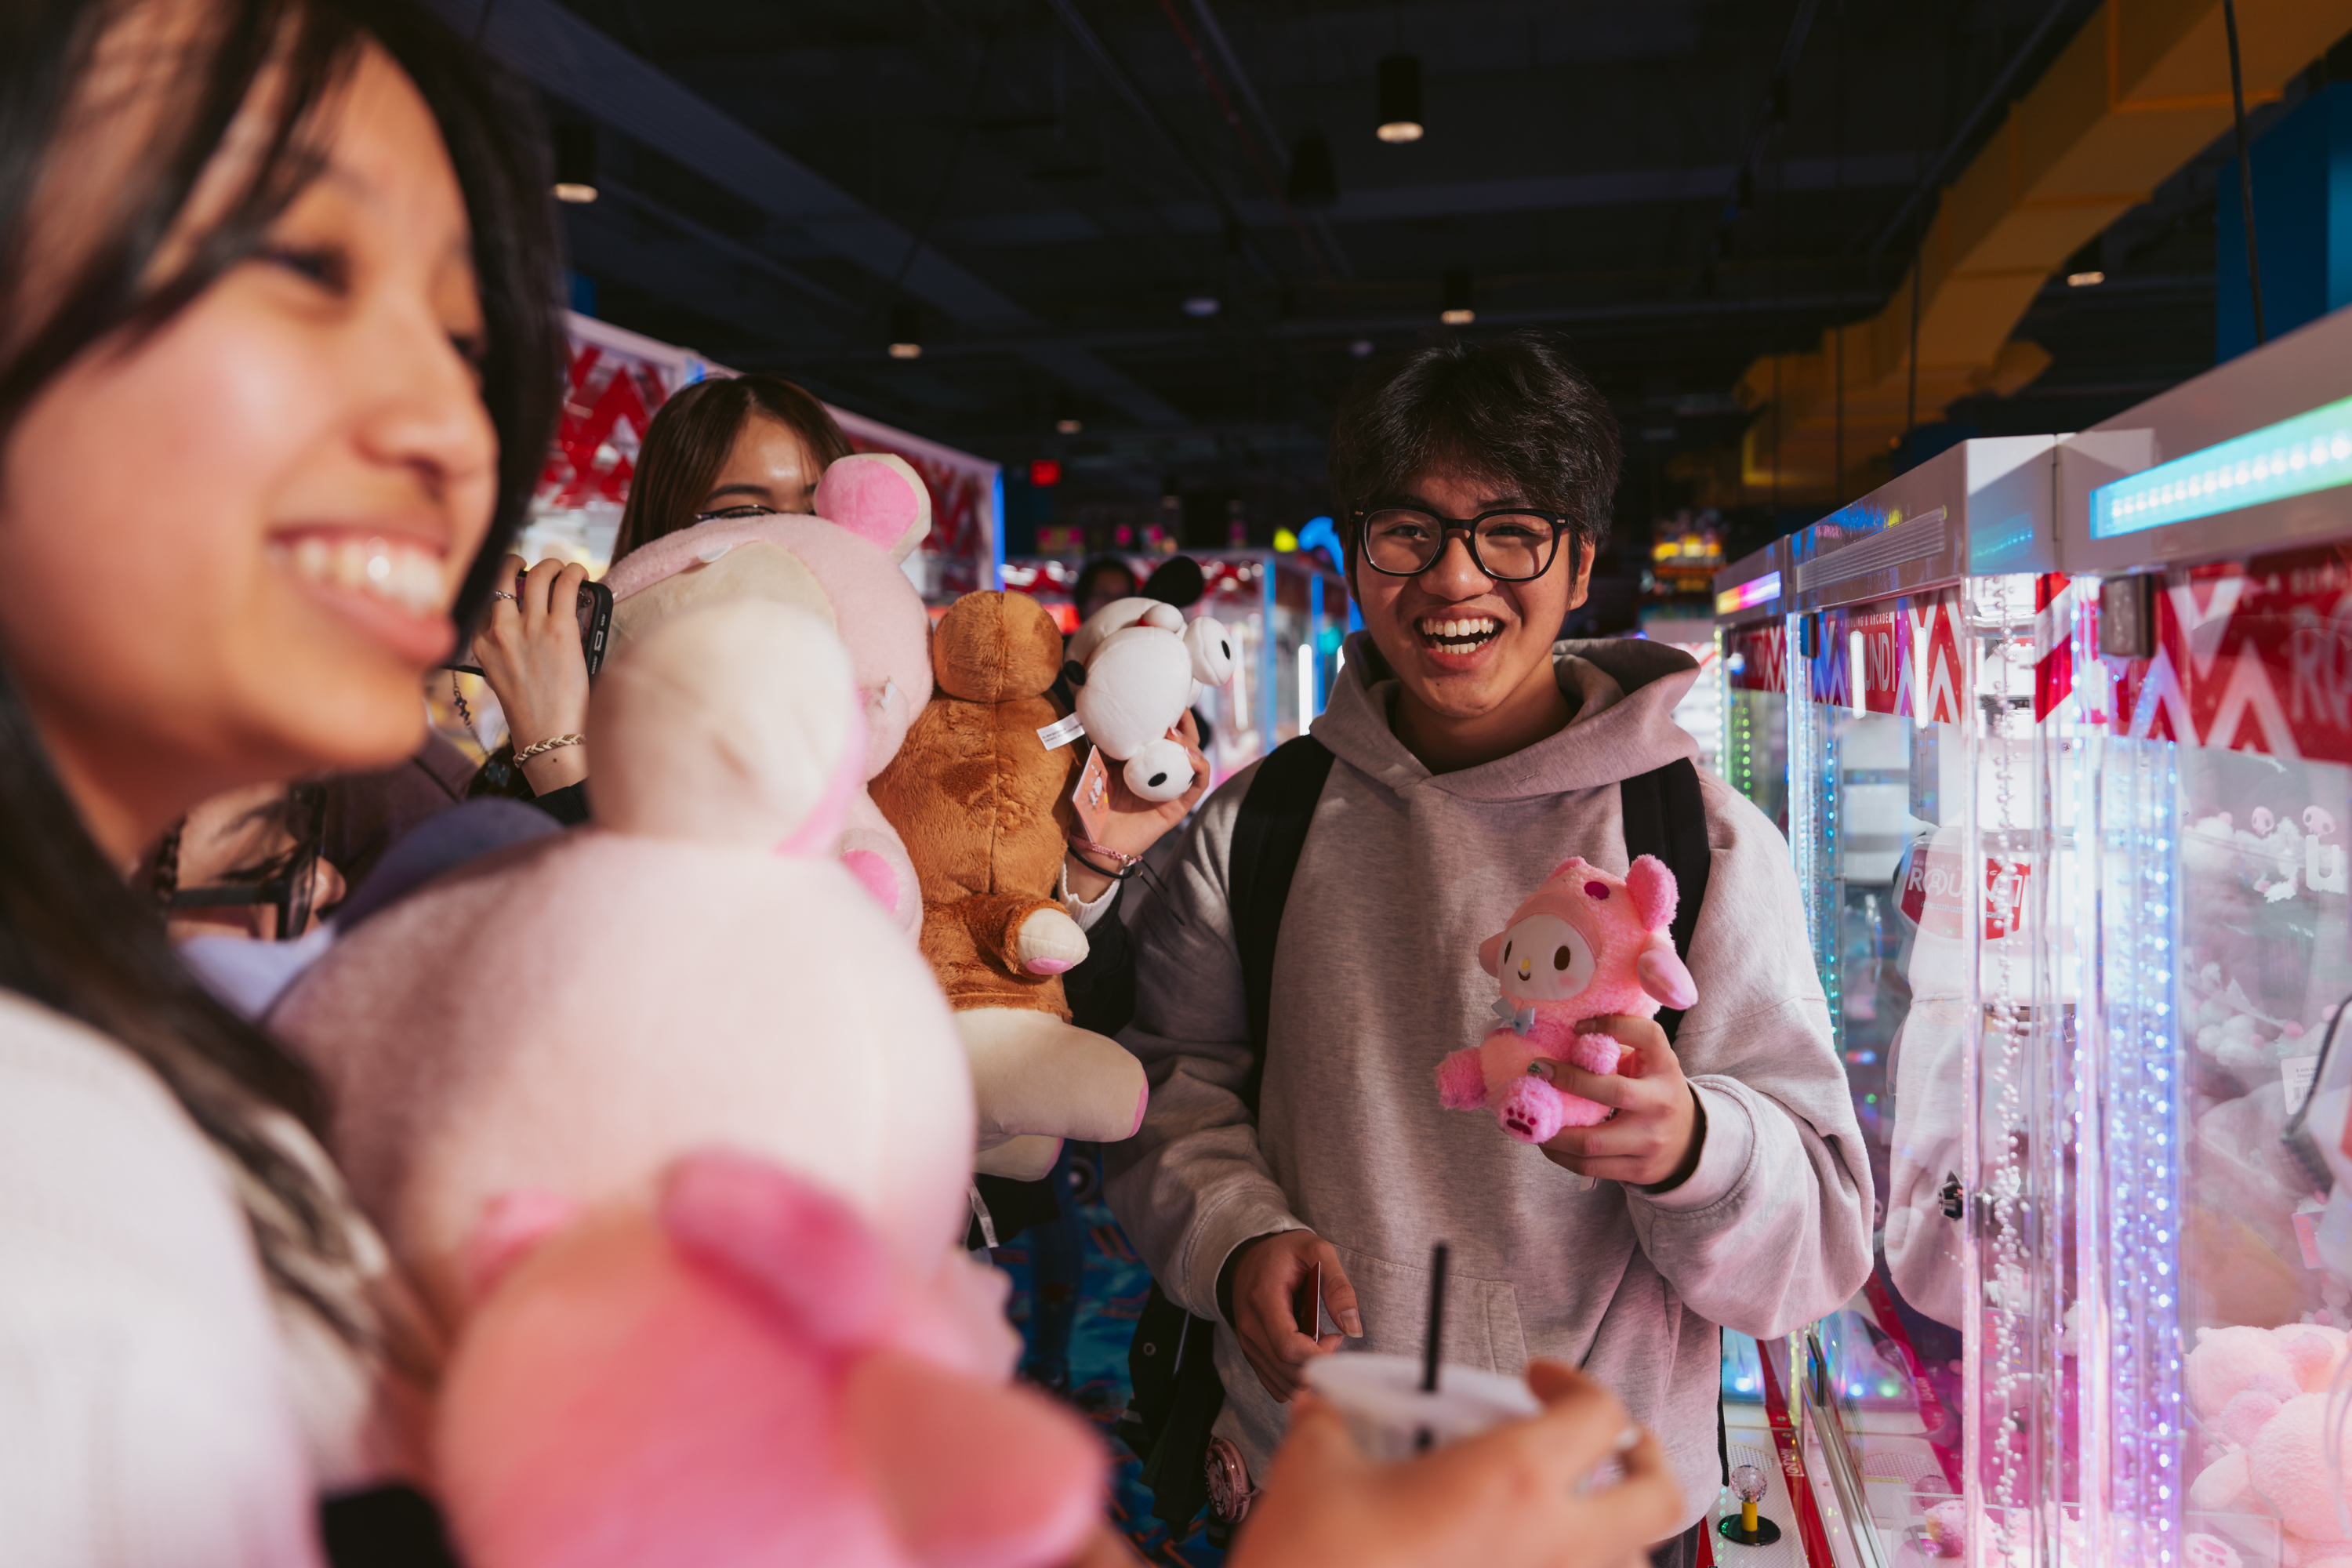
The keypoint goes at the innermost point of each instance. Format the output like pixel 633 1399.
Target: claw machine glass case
pixel 1288 615
pixel 2210 637
pixel 1933 1407
pixel 1751 668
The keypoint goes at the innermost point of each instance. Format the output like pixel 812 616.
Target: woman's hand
pixel 529 653
pixel 1510 1497
pixel 1136 824
pixel 1656 1125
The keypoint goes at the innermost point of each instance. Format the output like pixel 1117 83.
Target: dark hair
pixel 687 442
pixel 1512 412
pixel 1102 565
pixel 73 935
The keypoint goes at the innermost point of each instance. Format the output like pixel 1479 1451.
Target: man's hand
pixel 1510 1497
pixel 1265 1280
pixel 528 650
pixel 1136 824
pixel 1656 1124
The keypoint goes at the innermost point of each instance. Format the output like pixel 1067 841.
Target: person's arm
pixel 1769 1226
pixel 528 650
pixel 144 1419
pixel 1191 1185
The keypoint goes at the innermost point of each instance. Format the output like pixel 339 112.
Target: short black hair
pixel 1101 565
pixel 1511 411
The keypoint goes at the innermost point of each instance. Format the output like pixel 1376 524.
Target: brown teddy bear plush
pixel 983 808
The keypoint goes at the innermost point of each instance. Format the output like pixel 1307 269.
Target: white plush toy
pixel 1133 665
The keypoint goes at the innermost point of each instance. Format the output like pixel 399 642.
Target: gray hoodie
pixel 1376 978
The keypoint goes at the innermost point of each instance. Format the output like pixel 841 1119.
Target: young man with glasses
pixel 1474 753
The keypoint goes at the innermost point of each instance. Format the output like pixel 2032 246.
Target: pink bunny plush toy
pixel 844 565
pixel 672 1129
pixel 1586 945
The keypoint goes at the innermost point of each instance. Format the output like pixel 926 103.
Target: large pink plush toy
pixel 673 1127
pixel 2261 1399
pixel 1586 945
pixel 843 565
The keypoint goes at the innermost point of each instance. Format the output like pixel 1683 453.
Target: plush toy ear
pixel 878 497
pixel 801 1250
pixel 1663 977
pixel 513 1224
pixel 1574 866
pixel 1490 953
pixel 1655 895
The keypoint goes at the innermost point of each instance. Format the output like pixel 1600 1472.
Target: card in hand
pixel 1306 1302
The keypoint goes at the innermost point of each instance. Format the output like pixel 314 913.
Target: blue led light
pixel 2296 457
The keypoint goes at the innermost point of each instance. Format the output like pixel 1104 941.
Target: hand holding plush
pixel 1134 665
pixel 1586 945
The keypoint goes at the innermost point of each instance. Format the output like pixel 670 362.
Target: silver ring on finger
pixel 502 594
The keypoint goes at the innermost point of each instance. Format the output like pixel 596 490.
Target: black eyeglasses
pixel 285 882
pixel 1509 545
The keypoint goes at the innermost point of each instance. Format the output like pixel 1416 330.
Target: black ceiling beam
pixel 573 60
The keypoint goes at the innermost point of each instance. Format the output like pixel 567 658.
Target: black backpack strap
pixel 1667 817
pixel 1269 831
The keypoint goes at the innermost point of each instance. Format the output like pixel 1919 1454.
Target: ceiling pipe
pixel 2140 91
pixel 1215 33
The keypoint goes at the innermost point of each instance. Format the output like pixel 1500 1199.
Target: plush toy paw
pixel 1160 770
pixel 1597 1054
pixel 1031 1072
pixel 1462 1082
pixel 1531 1110
pixel 1048 942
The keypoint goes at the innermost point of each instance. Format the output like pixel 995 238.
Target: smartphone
pixel 596 625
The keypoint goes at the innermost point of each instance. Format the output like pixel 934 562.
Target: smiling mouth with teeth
pixel 1459 634
pixel 398 572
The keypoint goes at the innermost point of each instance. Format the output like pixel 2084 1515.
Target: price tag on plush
pixel 1091 799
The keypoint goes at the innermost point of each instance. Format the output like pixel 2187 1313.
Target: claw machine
pixel 1287 613
pixel 1751 669
pixel 1931 1413
pixel 2210 640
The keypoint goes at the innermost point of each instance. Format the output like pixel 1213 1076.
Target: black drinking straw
pixel 1436 1340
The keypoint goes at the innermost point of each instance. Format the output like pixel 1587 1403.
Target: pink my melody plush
pixel 1586 945
pixel 844 565
pixel 672 1128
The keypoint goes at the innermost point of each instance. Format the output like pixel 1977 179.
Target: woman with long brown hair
pixel 277 366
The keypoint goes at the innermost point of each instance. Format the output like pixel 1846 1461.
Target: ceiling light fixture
pixel 1399 99
pixel 906 333
pixel 1361 348
pixel 2086 279
pixel 1458 312
pixel 575 163
pixel 1069 427
pixel 1202 306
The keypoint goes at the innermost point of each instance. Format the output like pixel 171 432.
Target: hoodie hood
pixel 1623 690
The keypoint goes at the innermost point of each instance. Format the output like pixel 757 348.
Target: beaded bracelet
pixel 1127 864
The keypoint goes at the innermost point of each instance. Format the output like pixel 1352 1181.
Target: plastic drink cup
pixel 1381 1399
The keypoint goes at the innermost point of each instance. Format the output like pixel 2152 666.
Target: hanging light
pixel 905 331
pixel 1399 99
pixel 575 163
pixel 1458 312
pixel 1314 178
pixel 1200 307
